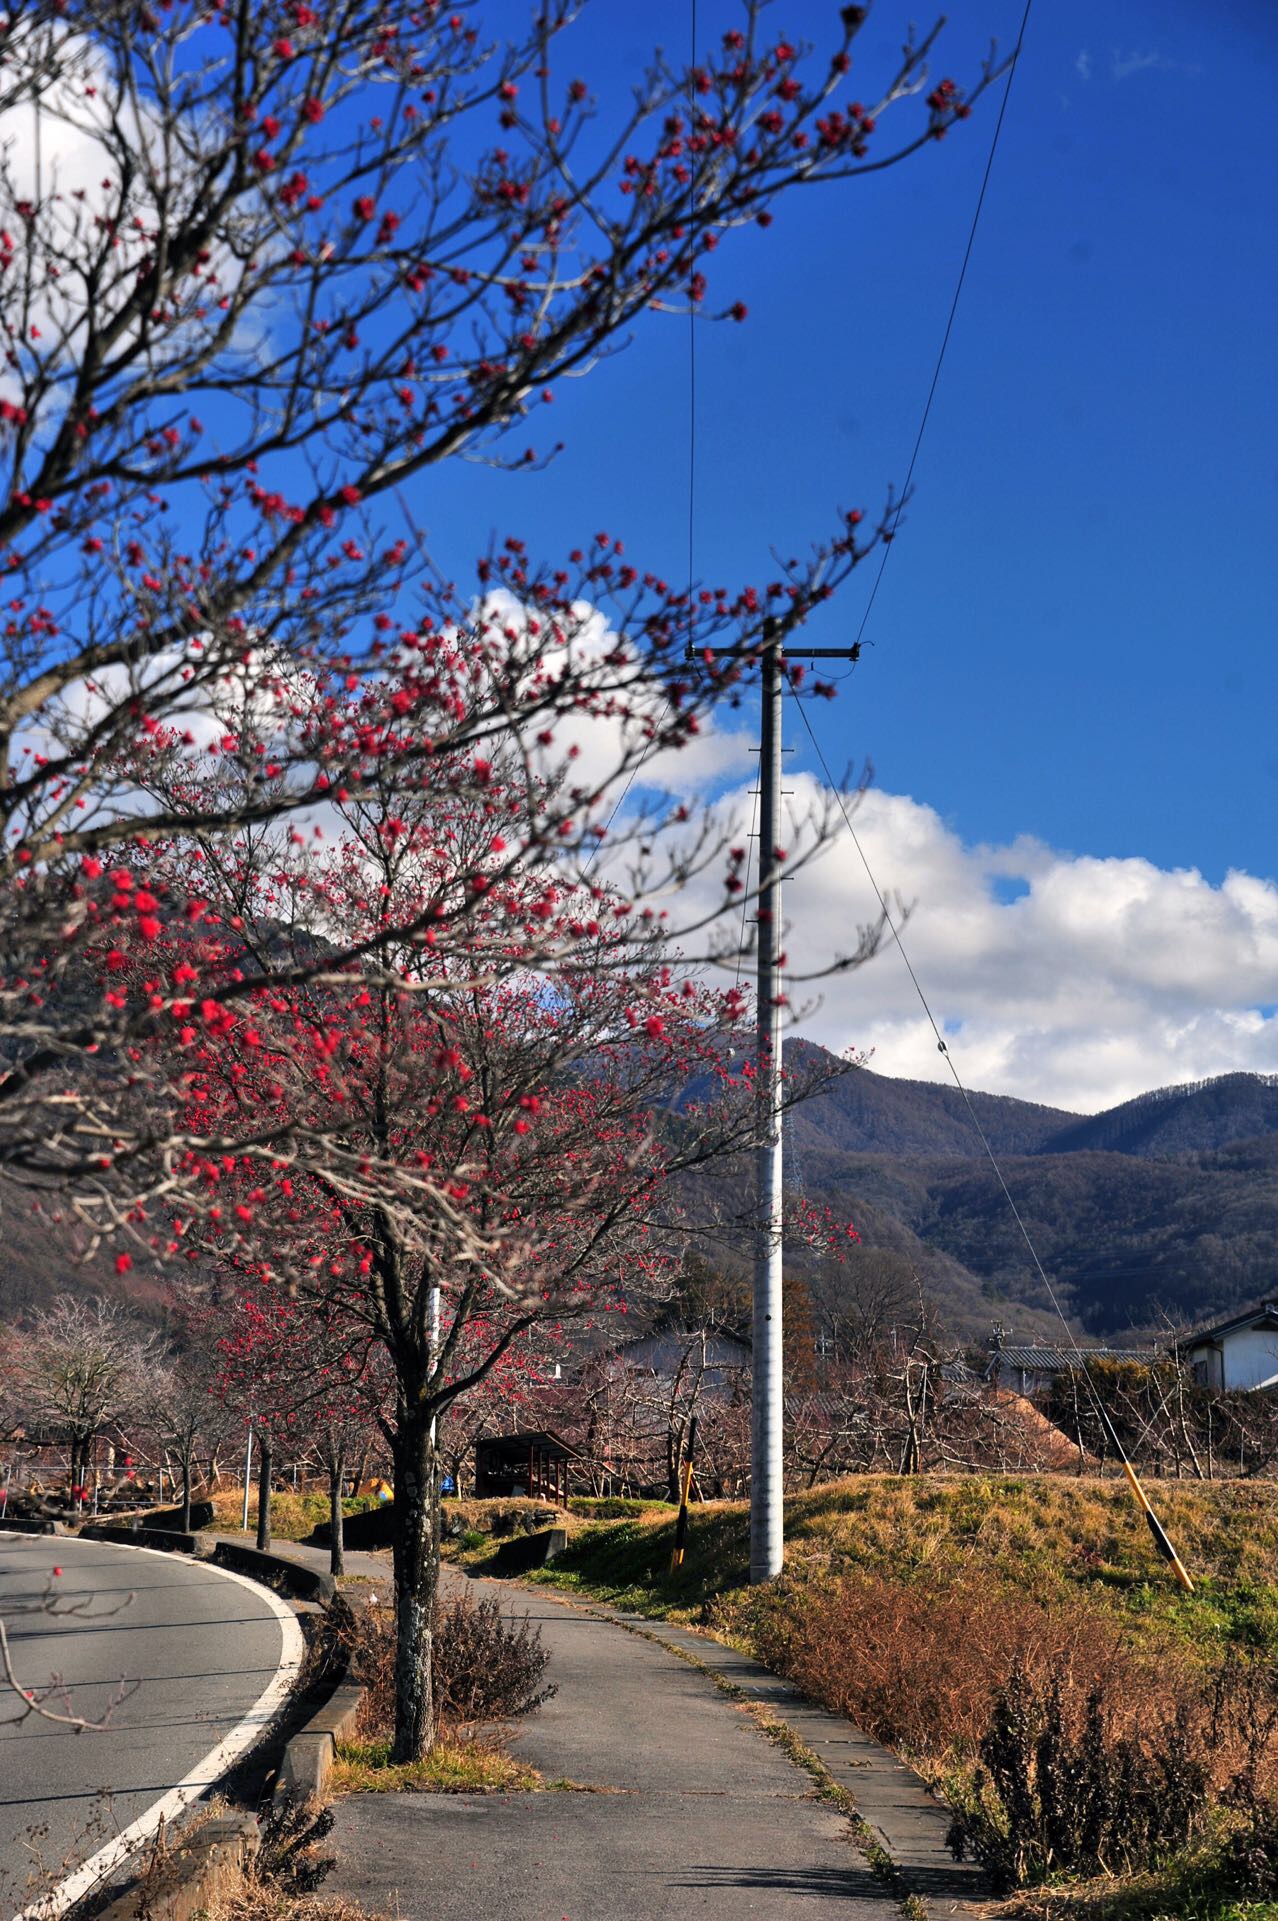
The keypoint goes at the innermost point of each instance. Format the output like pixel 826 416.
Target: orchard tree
pixel 182 1411
pixel 298 1372
pixel 262 271
pixel 472 1155
pixel 86 1367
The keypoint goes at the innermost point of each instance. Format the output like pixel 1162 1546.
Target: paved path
pixel 647 1725
pixel 375 1567
pixel 695 1813
pixel 208 1648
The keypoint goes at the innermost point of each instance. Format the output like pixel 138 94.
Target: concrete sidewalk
pixel 679 1807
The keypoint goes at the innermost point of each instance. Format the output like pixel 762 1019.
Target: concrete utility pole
pixel 248 1469
pixel 767 1550
pixel 767 1413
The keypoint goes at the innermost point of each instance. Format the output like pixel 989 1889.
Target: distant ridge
pixel 1163 1207
pixel 1193 1118
pixel 869 1113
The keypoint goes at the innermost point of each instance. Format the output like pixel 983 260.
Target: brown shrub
pixel 488 1665
pixel 1065 1748
pixel 919 1666
pixel 1060 1790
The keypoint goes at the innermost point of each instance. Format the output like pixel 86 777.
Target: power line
pixel 949 324
pixel 1161 1541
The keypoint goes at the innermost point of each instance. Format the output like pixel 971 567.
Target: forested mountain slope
pixel 1165 1207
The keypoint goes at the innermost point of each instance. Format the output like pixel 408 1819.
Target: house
pixel 714 1359
pixel 1241 1352
pixel 1032 1369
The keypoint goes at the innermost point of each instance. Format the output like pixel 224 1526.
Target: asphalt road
pixel 214 1655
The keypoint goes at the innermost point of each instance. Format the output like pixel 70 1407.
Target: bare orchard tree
pixel 185 1417
pixel 85 1367
pixel 263 271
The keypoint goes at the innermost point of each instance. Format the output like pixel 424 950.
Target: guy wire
pixel 1161 1542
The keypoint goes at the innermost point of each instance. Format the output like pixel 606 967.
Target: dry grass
pixel 915 1666
pixel 1046 1537
pixel 294 1517
pixel 256 1900
pixel 453 1766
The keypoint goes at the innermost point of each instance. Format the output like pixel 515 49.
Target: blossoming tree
pixel 263 271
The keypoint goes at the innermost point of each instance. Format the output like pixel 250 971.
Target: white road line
pixel 206 1772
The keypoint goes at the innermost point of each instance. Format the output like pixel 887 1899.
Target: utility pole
pixel 248 1469
pixel 767 1411
pixel 767 1551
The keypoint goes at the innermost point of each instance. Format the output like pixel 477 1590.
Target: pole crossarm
pixel 787 653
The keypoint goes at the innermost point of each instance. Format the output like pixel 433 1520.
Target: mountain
pixel 864 1113
pixel 1162 1208
pixel 1178 1120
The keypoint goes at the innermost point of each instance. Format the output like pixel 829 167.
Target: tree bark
pixel 336 1521
pixel 263 1491
pixel 186 1494
pixel 416 1561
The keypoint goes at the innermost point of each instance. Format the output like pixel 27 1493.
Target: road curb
pixel 131 1534
pixel 309 1756
pixel 277 1571
pixel 202 1865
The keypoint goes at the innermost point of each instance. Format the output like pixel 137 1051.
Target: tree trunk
pixel 416 1555
pixel 336 1523
pixel 186 1494
pixel 263 1491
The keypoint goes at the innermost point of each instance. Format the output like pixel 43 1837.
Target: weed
pixel 452 1767
pixel 1059 1789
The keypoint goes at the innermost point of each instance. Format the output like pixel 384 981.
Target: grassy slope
pixel 294 1517
pixel 1041 1535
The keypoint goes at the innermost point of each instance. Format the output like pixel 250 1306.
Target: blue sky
pixel 1072 637
pixel 1073 647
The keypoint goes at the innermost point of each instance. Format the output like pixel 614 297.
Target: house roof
pixel 1063 1360
pixel 1262 1314
pixel 516 1445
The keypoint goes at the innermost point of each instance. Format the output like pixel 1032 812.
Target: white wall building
pixel 1241 1352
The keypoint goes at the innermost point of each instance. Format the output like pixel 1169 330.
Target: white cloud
pixel 1102 979
pixel 1083 65
pixel 1123 66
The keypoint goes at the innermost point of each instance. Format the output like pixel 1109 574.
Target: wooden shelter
pixel 536 1464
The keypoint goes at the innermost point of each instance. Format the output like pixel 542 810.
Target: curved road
pixel 214 1653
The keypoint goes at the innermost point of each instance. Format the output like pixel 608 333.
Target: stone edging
pixel 207 1860
pixel 308 1758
